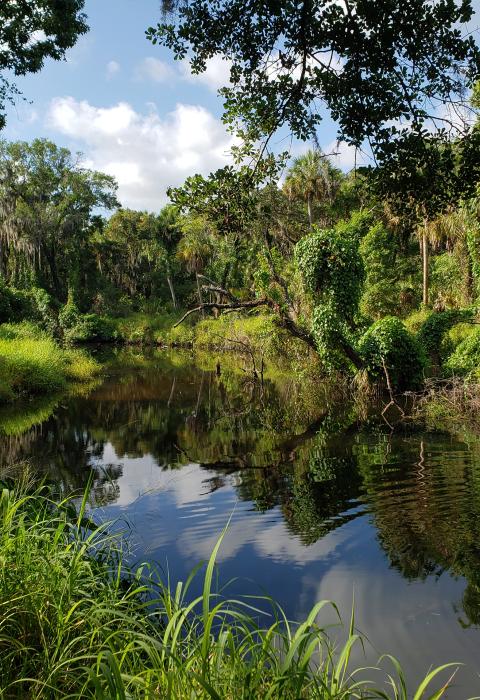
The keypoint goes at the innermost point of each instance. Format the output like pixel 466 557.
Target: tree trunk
pixel 172 291
pixel 425 265
pixel 52 264
pixel 199 294
pixel 309 208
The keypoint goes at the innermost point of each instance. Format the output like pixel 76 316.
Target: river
pixel 323 505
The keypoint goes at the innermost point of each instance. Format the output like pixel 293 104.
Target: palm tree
pixel 312 178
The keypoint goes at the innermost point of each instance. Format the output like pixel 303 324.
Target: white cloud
pixel 145 152
pixel 454 118
pixel 112 68
pixel 36 37
pixel 344 156
pixel 215 76
pixel 154 69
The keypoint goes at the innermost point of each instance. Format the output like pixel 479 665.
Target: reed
pixel 77 622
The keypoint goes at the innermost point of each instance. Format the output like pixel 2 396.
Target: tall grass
pixel 31 362
pixel 75 622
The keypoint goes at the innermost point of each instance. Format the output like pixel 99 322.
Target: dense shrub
pixel 332 271
pixel 380 298
pixel 415 320
pixel 378 250
pixel 68 315
pixel 388 341
pixel 15 305
pixel 85 328
pixel 437 324
pixel 465 359
pixel 92 328
pixel 449 280
pixel 45 310
pixel 452 339
pixel 331 267
pixel 149 328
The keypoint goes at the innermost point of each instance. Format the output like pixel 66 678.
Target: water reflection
pixel 323 505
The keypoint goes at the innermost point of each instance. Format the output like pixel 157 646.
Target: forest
pixel 364 280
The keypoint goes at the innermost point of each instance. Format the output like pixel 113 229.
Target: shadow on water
pixel 325 502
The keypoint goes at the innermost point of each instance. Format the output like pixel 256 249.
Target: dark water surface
pixel 323 507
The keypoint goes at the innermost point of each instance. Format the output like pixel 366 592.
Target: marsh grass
pixel 31 362
pixel 76 622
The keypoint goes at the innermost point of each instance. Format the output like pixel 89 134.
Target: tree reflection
pixel 284 445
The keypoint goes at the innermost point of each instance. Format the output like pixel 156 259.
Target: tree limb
pixel 232 306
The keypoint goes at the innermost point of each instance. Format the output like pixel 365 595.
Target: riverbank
pixel 35 365
pixel 77 621
pixel 233 332
pixel 32 363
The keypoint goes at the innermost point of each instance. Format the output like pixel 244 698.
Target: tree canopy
pixel 46 203
pixel 30 32
pixel 378 68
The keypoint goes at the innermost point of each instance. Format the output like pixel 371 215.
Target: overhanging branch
pixel 232 306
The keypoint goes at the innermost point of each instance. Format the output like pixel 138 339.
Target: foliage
pixel 32 31
pixel 388 344
pixel 232 242
pixel 423 174
pixel 450 280
pixel 313 179
pixel 465 359
pixel 135 251
pixel 331 268
pixel 84 328
pixel 14 304
pixel 45 310
pixel 226 198
pixel 437 324
pixel 91 328
pixel 256 334
pixel 47 200
pixel 286 60
pixel 79 366
pixel 77 620
pixel 389 288
pixel 147 328
pixel 415 320
pixel 32 363
pixel 472 239
pixel 456 335
pixel 333 273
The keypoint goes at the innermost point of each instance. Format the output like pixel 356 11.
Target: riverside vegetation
pixel 373 275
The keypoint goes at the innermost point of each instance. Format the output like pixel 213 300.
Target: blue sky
pixel 131 110
pixel 128 107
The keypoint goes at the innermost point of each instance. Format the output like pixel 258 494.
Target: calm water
pixel 322 508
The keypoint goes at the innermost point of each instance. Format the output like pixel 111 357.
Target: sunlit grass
pixel 76 622
pixel 31 363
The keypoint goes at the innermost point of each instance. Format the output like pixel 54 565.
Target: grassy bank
pixel 247 334
pixel 76 622
pixel 32 363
